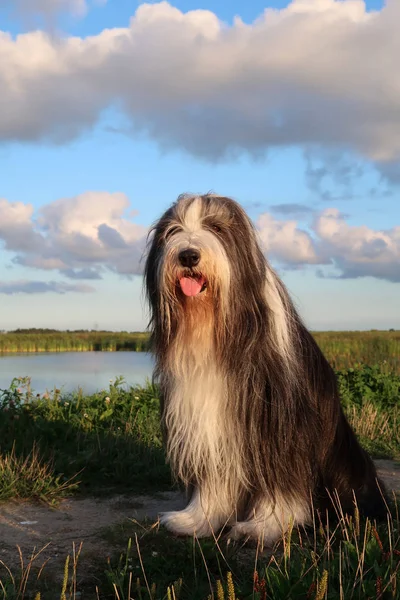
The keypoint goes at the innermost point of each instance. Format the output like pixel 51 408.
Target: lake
pixel 67 371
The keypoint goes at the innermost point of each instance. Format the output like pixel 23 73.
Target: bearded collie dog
pixel 251 415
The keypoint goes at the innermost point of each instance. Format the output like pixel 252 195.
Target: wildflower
pixel 86 416
pixel 66 403
pixel 107 400
pixel 154 553
pixel 19 391
pixel 136 397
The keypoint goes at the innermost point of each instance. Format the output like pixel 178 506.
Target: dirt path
pixel 32 526
pixel 53 531
pixel 389 470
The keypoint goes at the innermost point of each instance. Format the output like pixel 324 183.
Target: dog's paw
pixel 243 529
pixel 255 531
pixel 182 522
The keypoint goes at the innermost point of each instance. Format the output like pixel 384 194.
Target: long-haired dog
pixel 250 408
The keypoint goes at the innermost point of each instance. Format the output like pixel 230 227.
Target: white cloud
pixel 358 251
pixel 80 237
pixel 85 237
pixel 354 251
pixel 16 228
pixel 317 73
pixel 282 240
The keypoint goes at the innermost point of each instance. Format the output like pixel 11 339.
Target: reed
pixel 37 340
pixel 344 349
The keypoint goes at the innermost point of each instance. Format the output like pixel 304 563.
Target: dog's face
pixel 202 247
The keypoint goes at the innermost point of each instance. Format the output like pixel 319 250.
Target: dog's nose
pixel 189 258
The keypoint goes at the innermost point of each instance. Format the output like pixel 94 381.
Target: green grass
pixel 371 399
pixel 110 441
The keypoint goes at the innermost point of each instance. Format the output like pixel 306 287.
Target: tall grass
pixel 348 558
pixel 31 477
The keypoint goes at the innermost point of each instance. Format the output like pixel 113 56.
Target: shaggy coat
pixel 250 408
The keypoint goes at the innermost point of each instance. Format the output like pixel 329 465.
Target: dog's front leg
pixel 202 517
pixel 268 521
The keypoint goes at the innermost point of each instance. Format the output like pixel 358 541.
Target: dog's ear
pixel 153 256
pixel 150 268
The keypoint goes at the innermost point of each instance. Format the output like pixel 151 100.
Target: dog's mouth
pixel 192 285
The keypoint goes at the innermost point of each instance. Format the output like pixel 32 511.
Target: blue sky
pixel 109 110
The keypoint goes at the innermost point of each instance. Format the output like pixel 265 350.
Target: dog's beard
pixel 202 443
pixel 194 301
pixel 190 305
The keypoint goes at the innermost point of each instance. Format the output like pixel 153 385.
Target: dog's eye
pixel 216 228
pixel 171 231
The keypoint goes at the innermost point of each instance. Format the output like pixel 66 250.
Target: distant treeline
pixel 343 349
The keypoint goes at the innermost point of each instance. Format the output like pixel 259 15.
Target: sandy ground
pixel 54 530
pixel 26 529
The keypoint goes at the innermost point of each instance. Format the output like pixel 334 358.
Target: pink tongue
pixel 191 287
